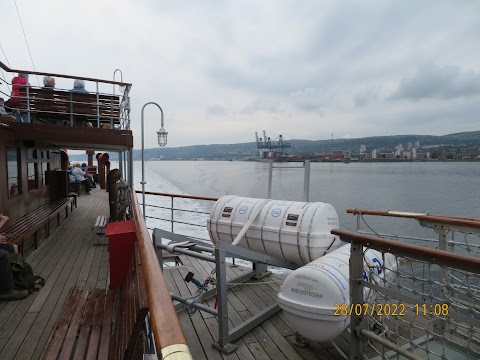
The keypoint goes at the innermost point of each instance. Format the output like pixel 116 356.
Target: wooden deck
pixel 273 339
pixel 66 258
pixel 69 257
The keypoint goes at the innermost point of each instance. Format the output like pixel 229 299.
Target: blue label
pixel 243 210
pixel 276 212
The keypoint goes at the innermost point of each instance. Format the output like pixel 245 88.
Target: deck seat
pixel 19 230
pixel 103 324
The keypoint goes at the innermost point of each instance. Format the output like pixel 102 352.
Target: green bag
pixel 23 274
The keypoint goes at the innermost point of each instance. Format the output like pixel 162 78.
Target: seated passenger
pixel 4 243
pixel 17 82
pixel 4 115
pixel 79 86
pixel 48 82
pixel 80 177
pixel 88 176
pixel 7 290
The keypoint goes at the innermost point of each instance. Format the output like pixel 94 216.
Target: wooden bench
pixel 76 187
pixel 103 324
pixel 22 228
pixel 68 105
pixel 99 228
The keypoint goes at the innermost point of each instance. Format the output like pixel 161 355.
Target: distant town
pixel 452 147
pixel 408 151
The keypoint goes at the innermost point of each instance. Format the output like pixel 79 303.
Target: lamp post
pixel 162 141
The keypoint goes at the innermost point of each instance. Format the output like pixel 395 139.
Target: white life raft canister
pixel 298 232
pixel 312 296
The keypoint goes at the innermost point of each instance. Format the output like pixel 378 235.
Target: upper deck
pixel 97 119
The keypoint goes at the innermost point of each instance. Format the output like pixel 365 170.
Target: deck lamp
pixel 162 141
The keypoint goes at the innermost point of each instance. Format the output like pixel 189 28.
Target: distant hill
pixel 246 150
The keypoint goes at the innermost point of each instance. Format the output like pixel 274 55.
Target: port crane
pixel 267 144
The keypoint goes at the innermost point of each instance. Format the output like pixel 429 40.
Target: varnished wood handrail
pixel 165 324
pixel 177 195
pixel 457 221
pixel 434 256
pixel 6 68
pixel 403 214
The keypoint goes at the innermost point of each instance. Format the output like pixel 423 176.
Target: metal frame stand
pixel 183 245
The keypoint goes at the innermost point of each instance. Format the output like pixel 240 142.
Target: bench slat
pixel 97 326
pixel 56 340
pixel 84 335
pixel 72 331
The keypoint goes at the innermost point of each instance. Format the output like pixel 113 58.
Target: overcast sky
pixel 305 69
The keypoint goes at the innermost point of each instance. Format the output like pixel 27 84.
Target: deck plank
pixel 60 259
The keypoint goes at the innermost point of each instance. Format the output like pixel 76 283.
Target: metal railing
pixel 165 326
pixel 61 102
pixel 168 212
pixel 428 307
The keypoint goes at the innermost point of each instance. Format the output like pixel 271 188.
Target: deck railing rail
pixel 102 88
pixel 454 233
pixel 426 305
pixel 168 335
pixel 174 214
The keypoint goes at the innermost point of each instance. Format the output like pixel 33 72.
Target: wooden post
pixel 90 154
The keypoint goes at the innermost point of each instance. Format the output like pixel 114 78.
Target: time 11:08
pixel 431 309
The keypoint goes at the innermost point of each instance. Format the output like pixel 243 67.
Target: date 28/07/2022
pixel 389 309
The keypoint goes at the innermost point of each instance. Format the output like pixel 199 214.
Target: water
pixel 449 188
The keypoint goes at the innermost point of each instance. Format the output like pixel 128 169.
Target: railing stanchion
pixel 98 106
pixel 172 212
pixel 28 104
pixel 356 297
pixel 270 173
pixel 306 181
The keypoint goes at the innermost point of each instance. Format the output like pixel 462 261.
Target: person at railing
pixel 48 82
pixel 18 82
pixel 79 86
pixel 4 115
pixel 7 290
pixel 80 177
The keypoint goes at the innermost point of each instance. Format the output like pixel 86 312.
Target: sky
pixel 222 70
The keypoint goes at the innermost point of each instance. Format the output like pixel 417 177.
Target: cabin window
pixel 45 167
pixel 31 154
pixel 32 178
pixel 14 172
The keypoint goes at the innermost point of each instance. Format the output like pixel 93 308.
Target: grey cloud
pixel 216 110
pixel 261 105
pixel 364 98
pixel 309 99
pixel 432 81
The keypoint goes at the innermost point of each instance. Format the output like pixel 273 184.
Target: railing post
pixel 270 173
pixel 306 181
pixel 28 104
pixel 71 109
pixel 356 297
pixel 98 107
pixel 120 163
pixel 172 213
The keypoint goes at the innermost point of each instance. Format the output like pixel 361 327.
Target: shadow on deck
pixel 66 258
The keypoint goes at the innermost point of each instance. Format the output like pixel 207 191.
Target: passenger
pixel 48 82
pixel 80 177
pixel 88 176
pixel 17 82
pixel 7 285
pixel 79 86
pixel 4 243
pixel 4 115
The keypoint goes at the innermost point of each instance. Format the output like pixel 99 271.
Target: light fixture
pixel 162 141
